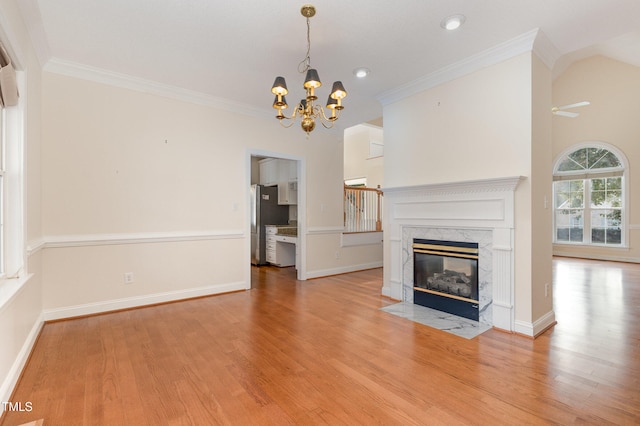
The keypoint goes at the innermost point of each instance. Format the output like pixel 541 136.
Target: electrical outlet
pixel 546 290
pixel 128 277
pixel 338 254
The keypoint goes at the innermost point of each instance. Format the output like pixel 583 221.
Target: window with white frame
pixel 12 112
pixel 2 202
pixel 589 196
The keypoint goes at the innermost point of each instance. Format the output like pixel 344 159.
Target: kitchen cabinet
pixel 284 169
pixel 277 170
pixel 285 253
pixel 288 192
pixel 279 252
pixel 269 172
pixel 290 170
pixel 283 174
pixel 288 184
pixel 271 232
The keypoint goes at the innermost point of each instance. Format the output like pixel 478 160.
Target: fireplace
pixel 445 276
pixel 481 211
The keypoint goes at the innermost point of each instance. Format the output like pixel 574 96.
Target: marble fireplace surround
pixel 480 211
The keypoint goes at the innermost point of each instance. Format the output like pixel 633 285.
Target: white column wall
pixel 480 126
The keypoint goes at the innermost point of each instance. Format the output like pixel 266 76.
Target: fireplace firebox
pixel 445 276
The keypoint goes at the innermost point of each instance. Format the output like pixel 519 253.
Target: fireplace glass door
pixel 445 276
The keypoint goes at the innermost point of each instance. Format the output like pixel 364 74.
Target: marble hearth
pixel 480 211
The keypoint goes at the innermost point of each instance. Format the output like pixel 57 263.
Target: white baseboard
pixel 537 327
pixel 607 258
pixel 343 270
pixel 139 301
pixel 392 291
pixel 13 375
pixel 502 315
pixel 524 328
pixel 544 322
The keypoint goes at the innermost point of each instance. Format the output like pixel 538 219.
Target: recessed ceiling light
pixel 452 22
pixel 361 72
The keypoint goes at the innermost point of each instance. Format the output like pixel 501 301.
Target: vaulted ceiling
pixel 233 50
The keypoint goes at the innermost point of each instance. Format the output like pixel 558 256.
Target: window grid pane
pixel 569 225
pixel 605 226
pixel 606 192
pixel 569 218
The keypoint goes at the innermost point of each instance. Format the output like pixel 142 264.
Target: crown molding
pixel 98 75
pixel 499 53
pixel 546 50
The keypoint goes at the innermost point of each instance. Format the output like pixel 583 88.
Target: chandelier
pixel 306 108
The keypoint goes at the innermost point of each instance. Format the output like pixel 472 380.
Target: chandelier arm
pixel 293 116
pixel 327 126
pixel 317 112
pixel 320 113
pixel 287 126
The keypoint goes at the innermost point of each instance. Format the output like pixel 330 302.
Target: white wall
pixel 477 127
pixel 613 89
pixel 140 183
pixel 357 162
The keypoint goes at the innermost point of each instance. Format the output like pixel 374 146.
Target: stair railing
pixel 362 209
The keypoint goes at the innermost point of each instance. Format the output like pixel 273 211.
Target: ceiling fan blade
pixel 566 114
pixel 576 105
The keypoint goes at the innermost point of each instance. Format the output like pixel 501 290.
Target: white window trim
pixel 580 174
pixel 13 203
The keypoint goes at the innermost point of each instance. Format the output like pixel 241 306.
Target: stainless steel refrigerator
pixel 264 211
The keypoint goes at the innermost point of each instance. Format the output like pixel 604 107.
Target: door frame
pixel 301 246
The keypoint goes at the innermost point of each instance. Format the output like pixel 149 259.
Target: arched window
pixel 589 196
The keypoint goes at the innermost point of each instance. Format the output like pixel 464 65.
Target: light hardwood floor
pixel 321 352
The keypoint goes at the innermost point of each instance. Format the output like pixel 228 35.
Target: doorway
pixel 275 214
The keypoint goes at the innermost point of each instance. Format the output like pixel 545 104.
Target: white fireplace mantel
pixel 454 208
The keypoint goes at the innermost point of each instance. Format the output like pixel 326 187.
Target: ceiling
pixel 233 50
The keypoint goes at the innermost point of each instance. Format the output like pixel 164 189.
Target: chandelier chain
pixel 305 64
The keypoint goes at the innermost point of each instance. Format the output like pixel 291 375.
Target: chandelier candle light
pixel 306 108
